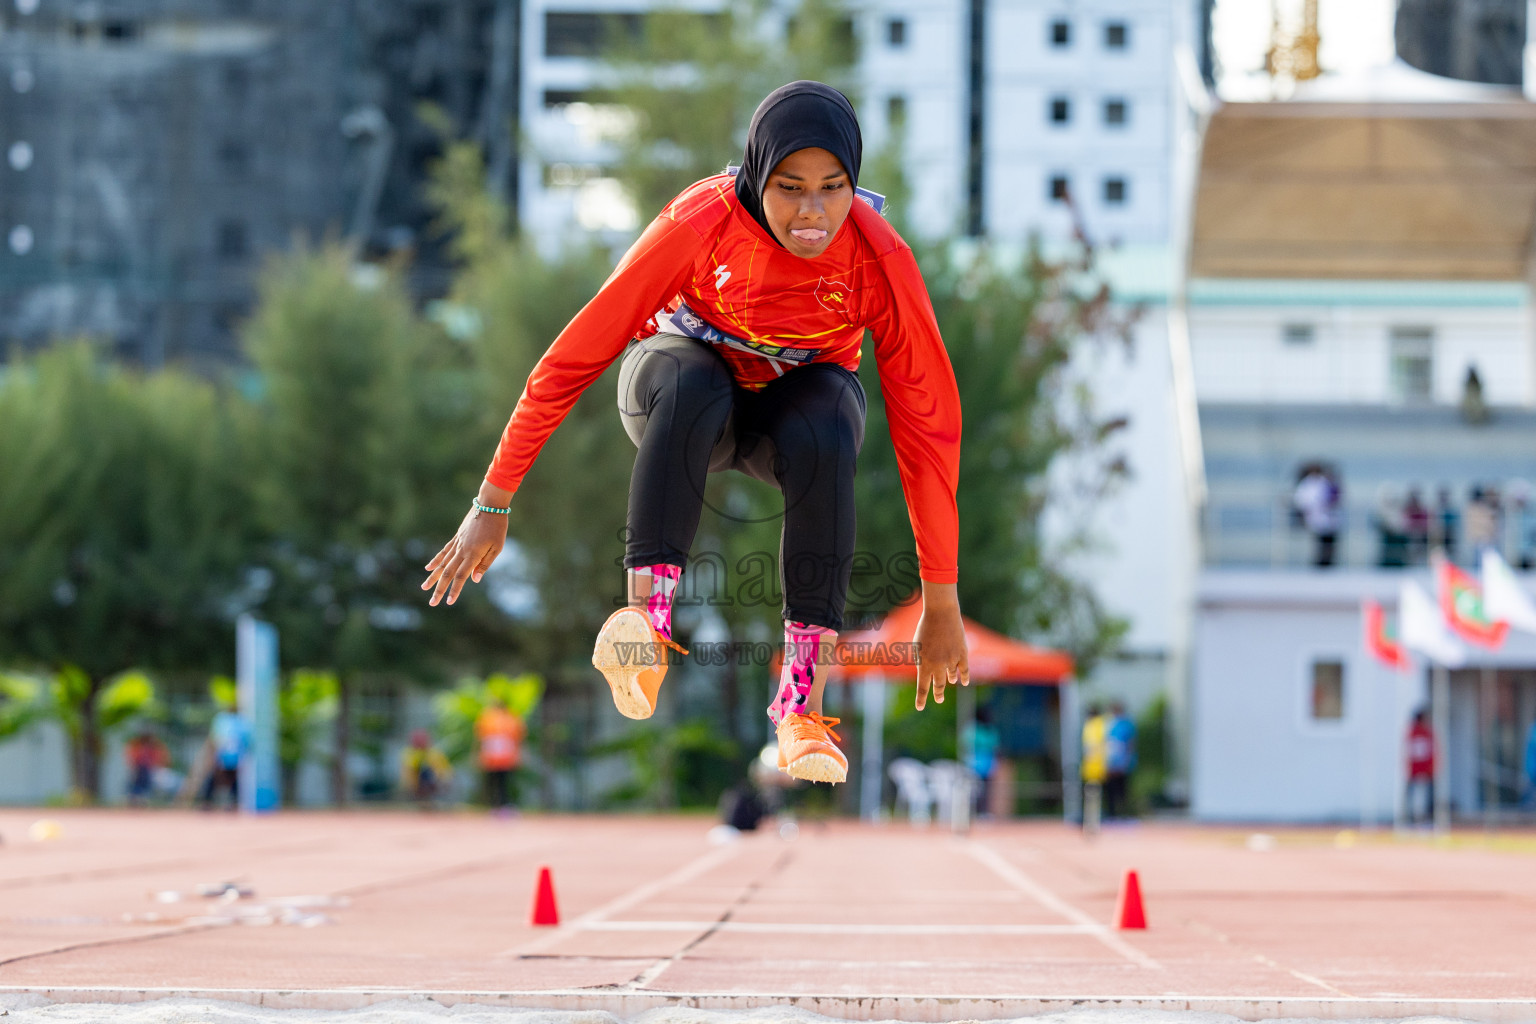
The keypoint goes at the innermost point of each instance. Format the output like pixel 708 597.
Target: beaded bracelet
pixel 486 508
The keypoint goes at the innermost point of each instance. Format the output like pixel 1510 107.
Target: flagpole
pixel 1400 769
pixel 1366 747
pixel 1440 715
pixel 1486 709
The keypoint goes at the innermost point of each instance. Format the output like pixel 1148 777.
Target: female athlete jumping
pixel 743 307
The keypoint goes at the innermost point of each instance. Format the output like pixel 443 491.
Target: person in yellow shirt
pixel 1093 766
pixel 424 771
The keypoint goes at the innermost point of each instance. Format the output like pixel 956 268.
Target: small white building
pixel 1294 721
pixel 1357 251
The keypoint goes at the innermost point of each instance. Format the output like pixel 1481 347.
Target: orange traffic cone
pixel 544 910
pixel 1129 913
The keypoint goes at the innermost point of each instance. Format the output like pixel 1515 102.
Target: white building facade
pixel 1354 306
pixel 1069 98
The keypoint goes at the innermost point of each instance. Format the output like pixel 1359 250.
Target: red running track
pixel 850 919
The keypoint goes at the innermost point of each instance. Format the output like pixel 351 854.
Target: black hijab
pixel 800 115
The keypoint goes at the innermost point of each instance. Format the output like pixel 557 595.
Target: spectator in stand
pixel 1421 768
pixel 145 755
pixel 1119 762
pixel 1317 499
pixel 1521 537
pixel 1446 523
pixel 424 771
pixel 1416 518
pixel 1474 407
pixel 1392 527
pixel 500 733
pixel 1482 521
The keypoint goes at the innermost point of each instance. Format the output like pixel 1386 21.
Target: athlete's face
pixel 807 199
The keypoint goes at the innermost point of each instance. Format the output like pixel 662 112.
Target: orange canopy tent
pixel 880 655
pixel 994 658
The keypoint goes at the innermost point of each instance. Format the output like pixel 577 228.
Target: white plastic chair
pixel 944 779
pixel 911 778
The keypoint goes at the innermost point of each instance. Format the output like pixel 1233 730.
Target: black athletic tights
pixel 801 433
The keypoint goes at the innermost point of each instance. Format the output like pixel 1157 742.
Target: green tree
pixel 306 702
pixel 21 704
pixel 1011 330
pixel 358 466
pixel 568 515
pixel 121 533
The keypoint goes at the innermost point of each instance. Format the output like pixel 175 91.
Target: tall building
pixel 1005 110
pixel 155 149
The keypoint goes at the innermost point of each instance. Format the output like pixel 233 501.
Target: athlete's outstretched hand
pixel 472 550
pixel 941 653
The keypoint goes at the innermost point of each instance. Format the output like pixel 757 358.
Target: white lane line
pixel 790 928
pixel 1019 880
pixel 585 922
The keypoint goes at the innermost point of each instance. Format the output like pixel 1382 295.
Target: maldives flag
pixel 1461 601
pixel 1381 640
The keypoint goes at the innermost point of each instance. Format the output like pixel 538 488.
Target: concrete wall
pixel 1240 353
pixel 34 767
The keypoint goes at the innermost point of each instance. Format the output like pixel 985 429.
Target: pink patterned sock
pixel 799 672
pixel 659 604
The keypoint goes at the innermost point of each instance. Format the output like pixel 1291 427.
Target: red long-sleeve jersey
pixel 706 251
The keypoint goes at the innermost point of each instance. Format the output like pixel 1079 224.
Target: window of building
pixel 1060 110
pixel 234 242
pixel 1115 112
pixel 237 81
pixel 428 18
pixel 1061 32
pixel 556 98
pixel 896 32
pixel 1117 35
pixel 1058 188
pixel 1114 191
pixel 1413 363
pixel 234 158
pixel 21 239
pixel 20 155
pixel 896 112
pixel 584 33
pixel 1327 697
pixel 1298 334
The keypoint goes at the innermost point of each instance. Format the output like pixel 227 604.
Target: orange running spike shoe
pixel 807 750
pixel 632 656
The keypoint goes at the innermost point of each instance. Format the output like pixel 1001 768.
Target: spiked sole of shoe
pixel 627 631
pixel 817 768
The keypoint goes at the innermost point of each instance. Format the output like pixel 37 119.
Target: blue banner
pixel 256 679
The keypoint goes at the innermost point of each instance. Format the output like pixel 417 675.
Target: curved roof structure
pixel 1393 173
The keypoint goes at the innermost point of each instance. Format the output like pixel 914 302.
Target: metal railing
pixel 1268 534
